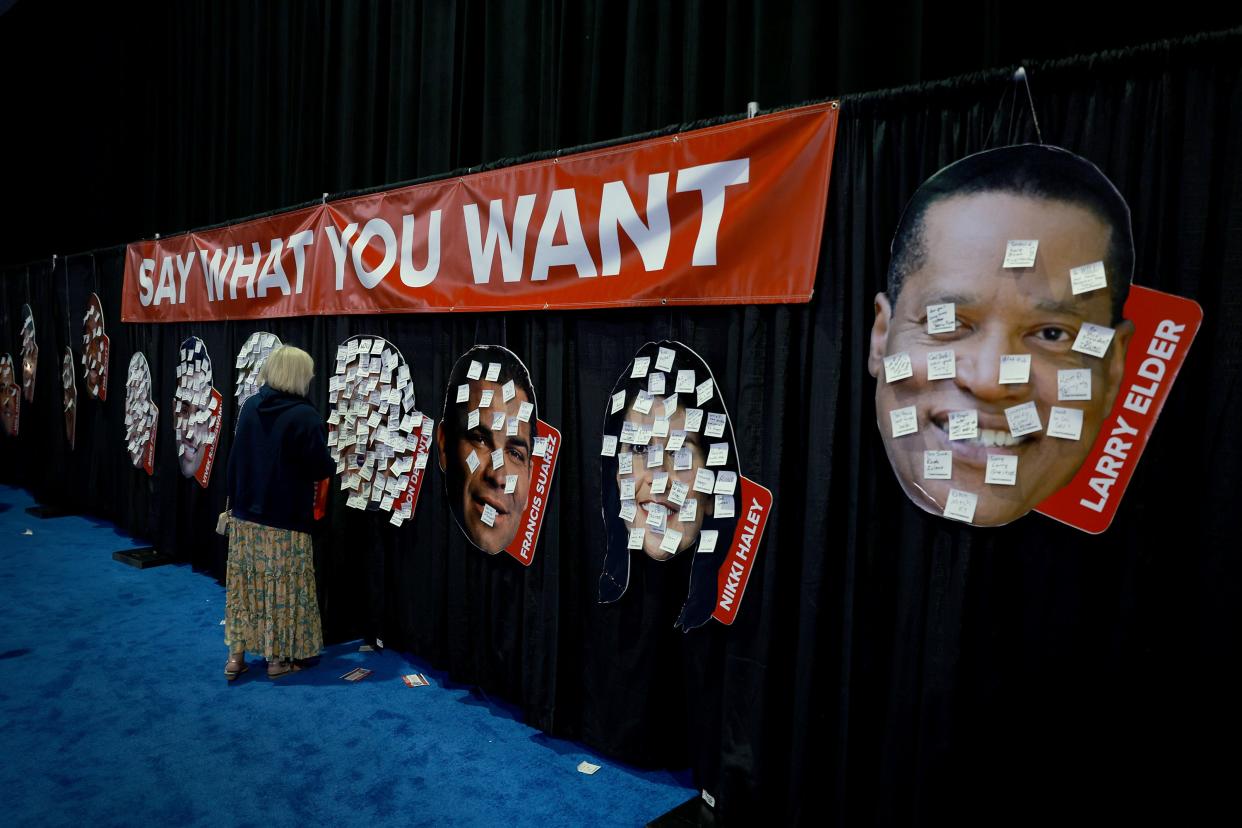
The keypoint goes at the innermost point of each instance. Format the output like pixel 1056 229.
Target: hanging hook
pixel 1021 77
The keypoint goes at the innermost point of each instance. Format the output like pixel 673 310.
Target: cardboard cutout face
pixel 196 412
pixel 141 415
pixel 95 350
pixel 68 380
pixel 250 360
pixel 669 473
pixel 978 339
pixel 30 354
pixel 10 397
pixel 486 443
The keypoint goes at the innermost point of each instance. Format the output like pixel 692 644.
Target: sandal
pixel 234 667
pixel 283 668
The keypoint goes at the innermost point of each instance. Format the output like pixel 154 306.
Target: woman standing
pixel 278 456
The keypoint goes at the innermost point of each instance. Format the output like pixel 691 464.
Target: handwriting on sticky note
pixel 937 465
pixel 1087 278
pixel 1015 369
pixel 904 421
pixel 1020 253
pixel 718 455
pixel 1002 470
pixel 1023 419
pixel 1074 384
pixel 941 365
pixel 1065 423
pixel 963 425
pixel 1093 339
pixel 942 318
pixel 898 367
pixel 960 505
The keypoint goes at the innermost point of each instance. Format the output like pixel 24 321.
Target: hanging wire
pixel 1020 76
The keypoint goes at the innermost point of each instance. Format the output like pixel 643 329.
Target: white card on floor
pixel 664 359
pixel 941 365
pixel 904 421
pixel 960 505
pixel 672 539
pixel 937 465
pixel 718 455
pixel 1065 423
pixel 587 768
pixel 1002 470
pixel 898 367
pixel 636 538
pixel 707 541
pixel 704 481
pixel 610 446
pixel 1020 253
pixel 1093 339
pixel 472 462
pixel 640 367
pixel 724 506
pixel 942 318
pixel 489 514
pixel 1074 384
pixel 475 371
pixel 963 425
pixel 1015 369
pixel 1023 419
pixel 1087 278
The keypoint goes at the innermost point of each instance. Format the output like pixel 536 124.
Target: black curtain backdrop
pixel 886 666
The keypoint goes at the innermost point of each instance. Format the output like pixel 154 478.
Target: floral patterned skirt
pixel 271 608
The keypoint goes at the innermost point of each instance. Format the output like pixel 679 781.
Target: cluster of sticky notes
pixel 380 440
pixel 140 411
pixel 497 420
pixel 643 446
pixel 194 409
pixel 30 353
pixel 250 360
pixel 93 358
pixel 67 379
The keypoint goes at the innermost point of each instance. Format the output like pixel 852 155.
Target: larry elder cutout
pixel 960 280
pixel 668 451
pixel 486 440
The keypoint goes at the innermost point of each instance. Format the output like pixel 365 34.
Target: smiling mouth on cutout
pixel 974 451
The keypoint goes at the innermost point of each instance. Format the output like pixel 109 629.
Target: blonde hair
pixel 288 369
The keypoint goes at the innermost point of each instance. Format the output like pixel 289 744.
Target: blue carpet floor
pixel 114 711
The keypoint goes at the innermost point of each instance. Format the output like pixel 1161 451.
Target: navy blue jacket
pixel 279 453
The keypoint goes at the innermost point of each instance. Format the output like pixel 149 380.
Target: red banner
pixel 1164 327
pixel 730 214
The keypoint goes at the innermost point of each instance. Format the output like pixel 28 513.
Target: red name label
pixel 754 503
pixel 541 470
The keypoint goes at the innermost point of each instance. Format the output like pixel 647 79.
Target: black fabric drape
pixel 887 666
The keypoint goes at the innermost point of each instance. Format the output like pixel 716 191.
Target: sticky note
pixel 659 482
pixel 1023 419
pixel 1074 384
pixel 641 365
pixel 960 505
pixel 898 367
pixel 671 540
pixel 472 462
pixel 726 482
pixel 704 481
pixel 629 433
pixel 682 460
pixel 657 514
pixel 689 510
pixel 498 458
pixel 493 371
pixel 510 483
pixel 628 510
pixel 1093 339
pixel 1020 253
pixel 685 382
pixel 942 318
pixel 485 398
pixel 1087 278
pixel 677 494
pixel 525 409
pixel 642 402
pixel 676 439
pixel 1015 369
pixel 707 541
pixel 655 384
pixel 626 488
pixel 670 405
pixel 703 392
pixel 655 455
pixel 489 515
pixel 610 446
pixel 660 427
pixel 507 391
pixel 724 506
pixel 904 421
pixel 475 371
pixel 715 425
pixel 941 365
pixel 963 425
pixel 1065 423
pixel 937 465
pixel 664 359
pixel 1002 470
pixel 463 392
pixel 636 538
pixel 718 455
pixel 498 419
pixel 694 419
